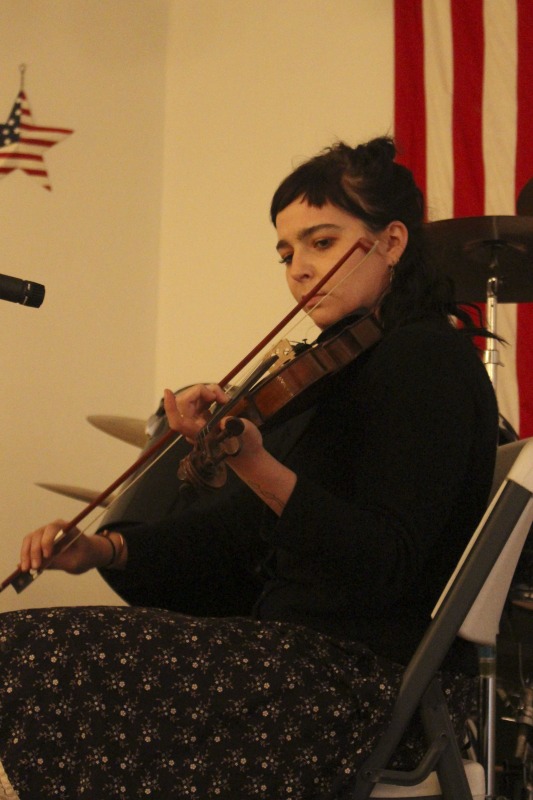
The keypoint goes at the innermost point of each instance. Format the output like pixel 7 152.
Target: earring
pixel 392 270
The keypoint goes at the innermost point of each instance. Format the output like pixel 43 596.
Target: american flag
pixel 23 144
pixel 464 125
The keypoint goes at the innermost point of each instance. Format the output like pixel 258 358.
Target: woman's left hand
pixel 188 412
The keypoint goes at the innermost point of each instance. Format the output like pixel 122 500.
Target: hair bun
pixel 379 150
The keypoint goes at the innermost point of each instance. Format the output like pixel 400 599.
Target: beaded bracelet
pixel 116 553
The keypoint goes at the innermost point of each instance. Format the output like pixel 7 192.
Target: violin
pixel 289 390
pixel 262 400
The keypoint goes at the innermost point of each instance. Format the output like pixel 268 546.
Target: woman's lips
pixel 313 301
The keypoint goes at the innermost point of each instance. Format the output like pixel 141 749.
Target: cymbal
pixel 76 493
pixel 473 249
pixel 127 429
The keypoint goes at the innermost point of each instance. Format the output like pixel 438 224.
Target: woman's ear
pixel 395 236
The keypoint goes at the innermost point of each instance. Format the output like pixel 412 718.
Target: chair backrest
pixel 506 523
pixel 514 462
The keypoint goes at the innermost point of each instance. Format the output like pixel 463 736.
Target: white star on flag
pixel 23 144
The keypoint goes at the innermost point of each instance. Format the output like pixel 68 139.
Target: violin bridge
pixel 284 351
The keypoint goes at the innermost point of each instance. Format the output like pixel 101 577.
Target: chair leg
pixel 437 723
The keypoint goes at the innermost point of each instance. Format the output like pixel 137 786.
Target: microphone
pixel 21 291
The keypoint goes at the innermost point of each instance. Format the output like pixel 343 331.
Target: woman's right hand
pixel 85 553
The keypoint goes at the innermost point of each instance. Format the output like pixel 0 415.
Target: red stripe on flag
pixel 468 45
pixel 40 129
pixel 524 172
pixel 38 142
pixel 41 173
pixel 467 114
pixel 20 157
pixel 410 97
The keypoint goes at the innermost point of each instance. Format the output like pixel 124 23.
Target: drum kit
pixel 490 260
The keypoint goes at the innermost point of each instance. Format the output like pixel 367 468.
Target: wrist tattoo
pixel 269 497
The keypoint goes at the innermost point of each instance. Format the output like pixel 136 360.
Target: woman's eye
pixel 323 244
pixel 287 260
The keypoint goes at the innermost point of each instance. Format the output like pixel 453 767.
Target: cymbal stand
pixel 487 653
pixel 491 356
pixel 487 715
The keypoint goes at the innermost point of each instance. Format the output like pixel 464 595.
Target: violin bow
pixel 20 580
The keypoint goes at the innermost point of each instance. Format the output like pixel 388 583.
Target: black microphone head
pixel 25 292
pixel 33 294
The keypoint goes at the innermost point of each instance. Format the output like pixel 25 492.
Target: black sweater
pixel 394 467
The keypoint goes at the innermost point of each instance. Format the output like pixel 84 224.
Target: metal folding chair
pixel 470 607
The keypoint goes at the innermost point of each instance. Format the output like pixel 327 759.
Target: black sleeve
pixel 203 561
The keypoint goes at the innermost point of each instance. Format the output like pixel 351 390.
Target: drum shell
pixel 153 492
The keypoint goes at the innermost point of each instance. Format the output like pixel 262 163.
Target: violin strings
pixel 245 375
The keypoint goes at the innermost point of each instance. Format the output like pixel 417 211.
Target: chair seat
pixel 430 788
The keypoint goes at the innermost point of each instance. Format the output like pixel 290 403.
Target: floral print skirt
pixel 126 703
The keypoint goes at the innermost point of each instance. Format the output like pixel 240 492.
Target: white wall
pixel 96 67
pixel 254 86
pixel 155 245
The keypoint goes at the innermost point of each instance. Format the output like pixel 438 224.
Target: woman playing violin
pixel 269 621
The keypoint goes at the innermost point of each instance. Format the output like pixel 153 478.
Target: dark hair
pixel 367 182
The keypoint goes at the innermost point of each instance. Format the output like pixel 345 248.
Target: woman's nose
pixel 301 267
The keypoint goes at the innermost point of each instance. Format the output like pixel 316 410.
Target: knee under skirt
pixel 127 703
